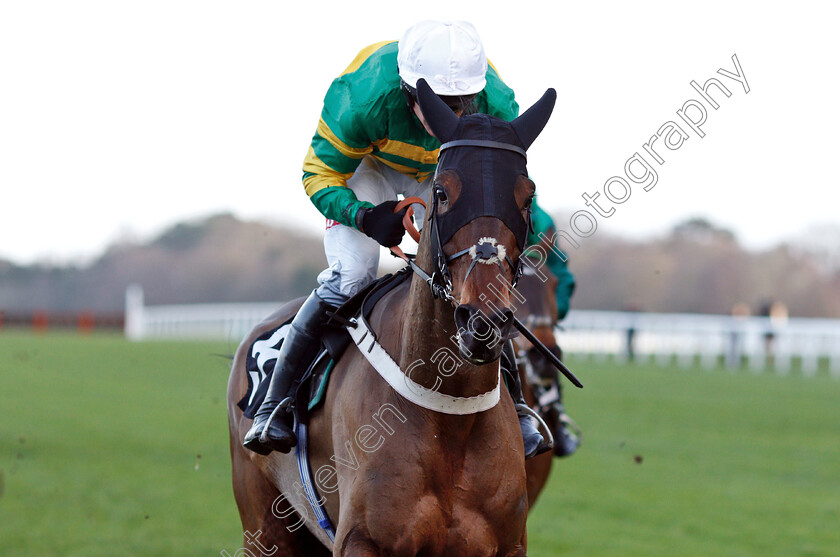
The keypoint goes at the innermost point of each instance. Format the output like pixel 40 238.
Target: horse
pixel 536 305
pixel 438 468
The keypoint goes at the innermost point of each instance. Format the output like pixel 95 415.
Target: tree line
pixel 695 267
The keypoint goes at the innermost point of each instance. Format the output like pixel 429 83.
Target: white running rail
pixel 808 345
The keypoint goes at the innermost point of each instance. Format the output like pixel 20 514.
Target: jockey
pixel 372 143
pixel 565 442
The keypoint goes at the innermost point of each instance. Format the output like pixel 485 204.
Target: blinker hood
pixel 487 175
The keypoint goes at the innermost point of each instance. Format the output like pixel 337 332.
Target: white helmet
pixel 448 55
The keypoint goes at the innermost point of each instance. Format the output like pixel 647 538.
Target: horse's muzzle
pixel 481 336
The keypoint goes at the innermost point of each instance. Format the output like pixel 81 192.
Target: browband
pixel 483 143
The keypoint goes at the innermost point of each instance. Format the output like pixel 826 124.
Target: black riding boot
pixel 566 441
pixel 271 430
pixel 534 441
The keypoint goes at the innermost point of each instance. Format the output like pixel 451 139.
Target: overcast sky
pixel 118 119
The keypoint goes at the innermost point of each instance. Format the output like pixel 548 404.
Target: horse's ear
pixel 529 124
pixel 439 116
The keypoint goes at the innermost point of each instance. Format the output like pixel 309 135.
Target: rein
pixel 438 290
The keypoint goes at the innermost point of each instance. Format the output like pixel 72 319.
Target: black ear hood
pixel 440 117
pixel 443 121
pixel 531 123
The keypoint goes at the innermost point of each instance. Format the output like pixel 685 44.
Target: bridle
pixel 486 191
pixel 440 281
pixel 485 251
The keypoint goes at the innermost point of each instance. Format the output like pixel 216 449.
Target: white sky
pixel 123 117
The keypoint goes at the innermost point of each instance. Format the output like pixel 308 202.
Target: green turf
pixel 114 448
pixel 685 462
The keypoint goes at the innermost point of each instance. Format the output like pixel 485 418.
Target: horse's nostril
pixel 462 316
pixel 506 317
pixel 481 328
pixel 476 323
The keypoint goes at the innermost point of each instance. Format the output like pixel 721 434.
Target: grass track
pixel 114 448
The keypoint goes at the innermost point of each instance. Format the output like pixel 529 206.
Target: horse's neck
pixel 430 344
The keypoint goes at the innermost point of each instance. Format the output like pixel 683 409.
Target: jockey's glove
pixel 382 224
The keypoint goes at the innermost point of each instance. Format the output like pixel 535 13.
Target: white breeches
pixel 353 258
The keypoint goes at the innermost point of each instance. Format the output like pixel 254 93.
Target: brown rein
pixel 407 223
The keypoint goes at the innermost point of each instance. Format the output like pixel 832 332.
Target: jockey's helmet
pixel 448 55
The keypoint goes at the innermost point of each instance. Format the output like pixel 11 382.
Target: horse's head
pixel 536 304
pixel 479 216
pixel 537 308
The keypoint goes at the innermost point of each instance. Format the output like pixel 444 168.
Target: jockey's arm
pixel 565 281
pixel 543 235
pixel 347 129
pixel 340 204
pixel 331 161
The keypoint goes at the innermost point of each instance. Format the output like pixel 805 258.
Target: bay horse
pixel 536 305
pixel 397 478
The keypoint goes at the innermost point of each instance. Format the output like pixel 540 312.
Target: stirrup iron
pixel 542 427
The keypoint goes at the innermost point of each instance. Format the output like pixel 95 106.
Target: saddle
pixel 309 391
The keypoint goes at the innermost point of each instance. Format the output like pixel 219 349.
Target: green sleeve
pixel 497 99
pixel 543 223
pixel 565 284
pixel 339 203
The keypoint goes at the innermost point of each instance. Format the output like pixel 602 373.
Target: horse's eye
pixel 440 195
pixel 528 203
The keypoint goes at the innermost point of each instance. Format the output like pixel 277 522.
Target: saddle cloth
pixel 309 391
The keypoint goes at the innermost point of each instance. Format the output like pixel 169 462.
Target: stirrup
pixel 542 427
pixel 285 405
pixel 572 436
pixel 567 422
